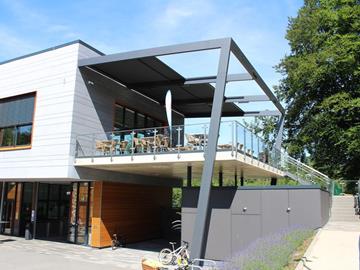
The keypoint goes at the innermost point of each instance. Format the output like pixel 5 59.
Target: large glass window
pixel 126 119
pixel 16 120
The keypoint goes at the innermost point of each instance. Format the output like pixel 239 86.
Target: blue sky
pixel 257 26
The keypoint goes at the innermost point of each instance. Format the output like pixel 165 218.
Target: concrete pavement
pixel 336 246
pixel 17 253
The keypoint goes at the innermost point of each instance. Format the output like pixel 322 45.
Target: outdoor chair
pixel 144 145
pixel 192 140
pixel 123 146
pixel 138 147
pixel 105 147
pixel 164 144
pixel 99 146
pixel 160 143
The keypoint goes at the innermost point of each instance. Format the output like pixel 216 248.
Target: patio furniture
pixel 105 146
pixel 187 147
pixel 201 138
pixel 144 145
pixel 224 146
pixel 195 140
pixel 123 145
pixel 164 143
pixel 150 143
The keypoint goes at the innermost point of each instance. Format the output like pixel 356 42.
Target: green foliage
pixel 265 127
pixel 269 253
pixel 176 197
pixel 321 86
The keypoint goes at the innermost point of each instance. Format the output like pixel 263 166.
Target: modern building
pixel 86 149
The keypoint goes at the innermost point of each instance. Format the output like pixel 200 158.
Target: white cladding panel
pixel 66 106
pixel 52 75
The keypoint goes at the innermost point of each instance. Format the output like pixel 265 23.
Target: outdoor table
pixel 203 139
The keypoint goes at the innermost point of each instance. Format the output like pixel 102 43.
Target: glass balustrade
pixel 233 137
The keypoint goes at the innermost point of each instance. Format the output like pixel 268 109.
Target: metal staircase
pixel 303 173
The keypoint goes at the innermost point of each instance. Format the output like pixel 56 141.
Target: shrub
pixel 268 253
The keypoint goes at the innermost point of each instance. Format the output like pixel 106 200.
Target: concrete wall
pixel 240 216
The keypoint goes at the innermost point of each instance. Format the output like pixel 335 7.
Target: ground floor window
pixel 63 211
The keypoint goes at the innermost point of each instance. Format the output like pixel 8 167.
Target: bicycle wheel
pixel 113 244
pixel 166 256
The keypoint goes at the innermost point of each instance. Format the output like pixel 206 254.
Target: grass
pixel 273 252
pixel 298 253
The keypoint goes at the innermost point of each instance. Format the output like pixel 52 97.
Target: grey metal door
pixel 275 204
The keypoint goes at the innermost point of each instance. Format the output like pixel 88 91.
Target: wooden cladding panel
pixel 133 211
pixel 96 217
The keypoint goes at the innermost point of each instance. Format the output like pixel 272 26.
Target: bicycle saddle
pixel 172 243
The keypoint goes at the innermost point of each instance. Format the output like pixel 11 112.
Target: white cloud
pixel 35 19
pixel 174 15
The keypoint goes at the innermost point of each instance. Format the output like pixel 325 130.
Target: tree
pixel 265 127
pixel 321 86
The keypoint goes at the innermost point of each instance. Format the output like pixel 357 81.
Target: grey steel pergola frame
pixel 226 47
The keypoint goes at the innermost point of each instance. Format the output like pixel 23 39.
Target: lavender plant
pixel 268 253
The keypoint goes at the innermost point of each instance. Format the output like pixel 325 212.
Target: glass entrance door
pixel 79 213
pixel 26 206
pixel 53 211
pixel 9 208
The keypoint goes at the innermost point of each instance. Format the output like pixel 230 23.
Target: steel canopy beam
pixel 249 68
pixel 159 51
pixel 263 113
pixel 239 99
pixel 247 99
pixel 190 81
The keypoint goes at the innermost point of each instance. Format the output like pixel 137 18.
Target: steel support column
pixel 199 238
pixel 280 131
pixel 273 181
pixel 2 205
pixel 241 180
pixel 34 207
pixel 189 176
pixel 221 179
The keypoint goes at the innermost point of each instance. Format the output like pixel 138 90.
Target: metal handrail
pixel 233 135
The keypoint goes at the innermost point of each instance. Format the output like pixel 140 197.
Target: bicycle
pixel 179 255
pixel 117 242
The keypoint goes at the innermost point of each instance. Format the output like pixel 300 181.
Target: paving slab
pixel 335 247
pixel 17 253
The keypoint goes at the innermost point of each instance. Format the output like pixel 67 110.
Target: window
pixel 126 119
pixel 16 120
